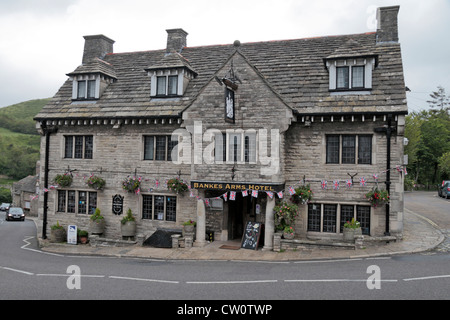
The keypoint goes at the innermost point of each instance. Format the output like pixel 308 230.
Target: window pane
pixel 250 147
pixel 342 77
pixel 159 208
pixel 365 149
pixel 332 149
pixel 171 208
pixel 91 89
pixel 160 148
pixel 161 86
pixel 358 77
pixel 68 149
pixel 147 207
pixel 82 201
pixel 78 147
pixel 61 200
pixel 173 85
pixel 348 149
pixel 172 147
pixel 148 147
pixel 314 217
pixel 329 218
pixel 235 147
pixel 220 150
pixel 363 216
pixel 81 89
pixel 88 147
pixel 92 202
pixel 71 201
pixel 347 213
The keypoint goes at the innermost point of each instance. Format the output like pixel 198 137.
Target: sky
pixel 42 40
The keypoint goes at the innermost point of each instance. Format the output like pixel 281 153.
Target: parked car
pixel 5 206
pixel 15 213
pixel 442 192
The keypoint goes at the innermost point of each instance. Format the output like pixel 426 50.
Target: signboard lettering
pixel 252 232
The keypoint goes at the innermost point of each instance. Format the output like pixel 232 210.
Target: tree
pixel 439 99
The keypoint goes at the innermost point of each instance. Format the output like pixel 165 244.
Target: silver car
pixel 15 213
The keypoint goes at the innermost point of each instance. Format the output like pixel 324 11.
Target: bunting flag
pixel 349 183
pixel 157 183
pixel 192 193
pixel 375 177
pixel 207 202
pixel 270 194
pixel 225 195
pixel 233 195
pixel 291 190
pixel 362 182
pixel 255 193
pixel 336 185
pixel 280 194
pixel 323 184
pixel 244 193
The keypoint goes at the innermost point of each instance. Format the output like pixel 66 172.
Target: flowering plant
pixel 63 180
pixel 352 224
pixel 95 182
pixel 132 184
pixel 189 223
pixel 285 215
pixel 177 185
pixel 289 230
pixel 302 195
pixel 377 197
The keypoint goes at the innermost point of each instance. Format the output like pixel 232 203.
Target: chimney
pixel 96 46
pixel 176 40
pixel 387 29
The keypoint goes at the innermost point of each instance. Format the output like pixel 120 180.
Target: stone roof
pixel 95 66
pixel 294 69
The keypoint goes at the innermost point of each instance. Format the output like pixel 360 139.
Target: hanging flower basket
pixel 132 184
pixel 177 185
pixel 63 180
pixel 302 195
pixel 377 197
pixel 96 182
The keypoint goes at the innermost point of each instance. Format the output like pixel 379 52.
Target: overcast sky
pixel 42 40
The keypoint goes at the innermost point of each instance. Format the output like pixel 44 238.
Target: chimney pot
pixel 387 24
pixel 97 46
pixel 176 40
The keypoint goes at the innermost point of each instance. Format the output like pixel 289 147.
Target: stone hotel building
pixel 240 124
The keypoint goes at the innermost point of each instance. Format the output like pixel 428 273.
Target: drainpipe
pixel 388 130
pixel 47 131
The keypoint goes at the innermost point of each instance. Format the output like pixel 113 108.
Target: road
pixel 26 273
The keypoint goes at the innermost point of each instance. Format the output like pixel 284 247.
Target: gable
pixel 257 105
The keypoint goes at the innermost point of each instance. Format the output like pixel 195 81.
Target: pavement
pixel 420 235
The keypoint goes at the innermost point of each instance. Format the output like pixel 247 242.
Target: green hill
pixel 19 140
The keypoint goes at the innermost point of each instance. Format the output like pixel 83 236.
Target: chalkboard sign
pixel 252 232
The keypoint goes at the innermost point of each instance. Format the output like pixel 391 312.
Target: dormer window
pixel 169 77
pixel 90 80
pixel 350 75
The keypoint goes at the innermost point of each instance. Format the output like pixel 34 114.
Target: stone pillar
pixel 201 224
pixel 269 225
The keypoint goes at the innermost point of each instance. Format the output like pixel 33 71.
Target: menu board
pixel 252 232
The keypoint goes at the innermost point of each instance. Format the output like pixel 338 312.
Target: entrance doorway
pixel 240 211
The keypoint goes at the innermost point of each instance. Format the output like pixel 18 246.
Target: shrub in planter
pixel 132 184
pixel 128 225
pixel 82 236
pixel 177 185
pixel 58 233
pixel 97 223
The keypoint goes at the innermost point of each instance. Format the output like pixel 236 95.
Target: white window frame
pixel 241 136
pixel 167 73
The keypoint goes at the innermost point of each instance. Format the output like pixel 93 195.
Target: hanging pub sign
pixel 117 204
pixel 229 105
